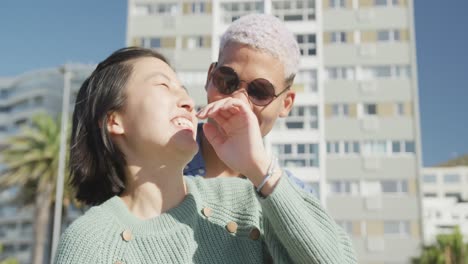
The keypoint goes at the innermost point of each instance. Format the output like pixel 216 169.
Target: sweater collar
pixel 184 214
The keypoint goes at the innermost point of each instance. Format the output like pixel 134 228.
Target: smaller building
pixel 445 201
pixel 439 182
pixel 442 215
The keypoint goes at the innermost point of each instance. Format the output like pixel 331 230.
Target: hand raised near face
pixel 235 136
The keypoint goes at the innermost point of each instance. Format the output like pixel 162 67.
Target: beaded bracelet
pixel 270 171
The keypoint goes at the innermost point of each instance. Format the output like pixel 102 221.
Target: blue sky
pixel 49 33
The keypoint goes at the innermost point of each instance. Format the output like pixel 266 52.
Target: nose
pixel 241 94
pixel 214 95
pixel 187 102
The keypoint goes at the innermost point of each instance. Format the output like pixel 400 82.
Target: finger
pixel 213 135
pixel 218 118
pixel 202 113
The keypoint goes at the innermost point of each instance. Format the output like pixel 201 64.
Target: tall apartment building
pixel 354 130
pixel 21 97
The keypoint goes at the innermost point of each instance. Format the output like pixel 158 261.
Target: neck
pixel 214 166
pixel 154 189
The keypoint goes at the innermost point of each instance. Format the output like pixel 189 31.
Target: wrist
pixel 270 185
pixel 270 178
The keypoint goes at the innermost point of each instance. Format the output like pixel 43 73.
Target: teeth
pixel 180 121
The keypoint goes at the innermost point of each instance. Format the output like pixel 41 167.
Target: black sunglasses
pixel 261 92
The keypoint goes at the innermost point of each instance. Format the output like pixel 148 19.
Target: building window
pixel 429 178
pixel 157 9
pixel 397 228
pixel 340 110
pixel 333 147
pixel 403 146
pixel 451 178
pixel 231 11
pixel 387 35
pixel 343 147
pixel 385 3
pixel 382 72
pixel 340 73
pixel 430 195
pixel 302 117
pixel 194 42
pixel 399 109
pixel 380 2
pixel 394 186
pixel 20 123
pixel 155 43
pixel 344 187
pixel 158 42
pixel 370 109
pixel 197 7
pixel 141 10
pixel 371 188
pixel 374 147
pixel 297 154
pixel 307 44
pixel 338 37
pixel 20 106
pixel 409 147
pixel 295 10
pixel 337 3
pixel 396 147
pixel 402 72
pixel 385 72
pixel 456 195
pixel 350 147
pixel 307 79
pixel 8 249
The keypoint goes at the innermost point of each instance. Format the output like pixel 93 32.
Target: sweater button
pixel 254 234
pixel 231 227
pixel 118 262
pixel 126 235
pixel 207 212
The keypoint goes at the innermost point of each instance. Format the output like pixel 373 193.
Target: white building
pixel 442 215
pixel 445 202
pixel 445 182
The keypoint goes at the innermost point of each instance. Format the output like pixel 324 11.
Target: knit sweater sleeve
pixel 79 244
pixel 295 222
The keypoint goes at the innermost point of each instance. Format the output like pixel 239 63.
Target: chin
pixel 185 141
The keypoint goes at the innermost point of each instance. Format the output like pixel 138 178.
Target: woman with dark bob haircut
pixel 134 131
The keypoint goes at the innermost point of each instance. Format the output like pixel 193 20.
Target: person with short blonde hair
pixel 257 62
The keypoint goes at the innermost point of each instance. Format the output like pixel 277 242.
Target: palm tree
pixel 31 164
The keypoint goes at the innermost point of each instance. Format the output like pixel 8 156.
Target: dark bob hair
pixel 96 164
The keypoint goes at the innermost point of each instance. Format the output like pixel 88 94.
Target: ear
pixel 115 124
pixel 212 67
pixel 288 102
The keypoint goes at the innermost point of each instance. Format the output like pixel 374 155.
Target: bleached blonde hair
pixel 268 34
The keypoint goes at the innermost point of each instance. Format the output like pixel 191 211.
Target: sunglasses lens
pixel 225 80
pixel 261 92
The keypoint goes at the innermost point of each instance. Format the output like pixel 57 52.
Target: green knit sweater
pixel 221 220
